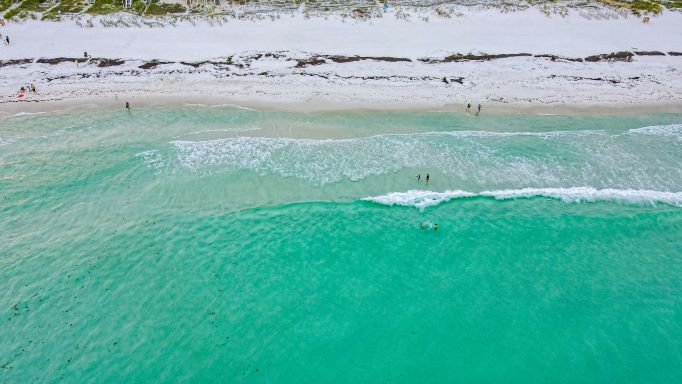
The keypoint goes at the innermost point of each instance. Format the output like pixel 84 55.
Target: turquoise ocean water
pixel 215 244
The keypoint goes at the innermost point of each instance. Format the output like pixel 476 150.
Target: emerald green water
pixel 214 244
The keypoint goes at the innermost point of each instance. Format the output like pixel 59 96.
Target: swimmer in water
pixel 427 178
pixel 419 177
pixel 435 227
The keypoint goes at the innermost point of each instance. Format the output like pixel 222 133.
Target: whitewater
pixel 422 199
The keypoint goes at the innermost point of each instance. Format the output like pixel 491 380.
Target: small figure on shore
pixel 468 107
pixel 127 105
pixel 33 88
pixel 478 111
pixel 419 177
pixel 427 178
pixel 435 227
pixel 85 54
pixel 7 39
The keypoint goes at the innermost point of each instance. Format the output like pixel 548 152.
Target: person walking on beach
pixel 127 105
pixel 7 39
pixel 478 112
pixel 468 107
pixel 427 178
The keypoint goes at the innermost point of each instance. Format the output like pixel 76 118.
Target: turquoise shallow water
pixel 213 244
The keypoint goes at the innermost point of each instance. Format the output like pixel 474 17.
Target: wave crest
pixel 417 198
pixel 672 130
pixel 422 199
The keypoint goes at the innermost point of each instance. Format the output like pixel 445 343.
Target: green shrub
pixel 106 6
pixel 154 8
pixel 64 6
pixel 4 4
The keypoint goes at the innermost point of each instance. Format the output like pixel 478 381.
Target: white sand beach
pixel 523 61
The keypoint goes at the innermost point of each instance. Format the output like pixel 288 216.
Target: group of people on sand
pixel 478 110
pixel 28 88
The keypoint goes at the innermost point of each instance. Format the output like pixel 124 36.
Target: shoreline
pixel 117 102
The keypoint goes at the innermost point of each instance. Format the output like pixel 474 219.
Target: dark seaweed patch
pixel 615 56
pixel 109 62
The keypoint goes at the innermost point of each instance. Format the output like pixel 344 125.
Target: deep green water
pixel 213 244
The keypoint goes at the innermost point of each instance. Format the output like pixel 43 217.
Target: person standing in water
pixel 435 227
pixel 419 177
pixel 127 105
pixel 468 107
pixel 478 112
pixel 427 178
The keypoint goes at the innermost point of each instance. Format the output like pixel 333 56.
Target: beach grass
pixel 156 8
pixel 5 4
pixel 51 11
pixel 103 7
pixel 25 9
pixel 64 7
pixel 639 7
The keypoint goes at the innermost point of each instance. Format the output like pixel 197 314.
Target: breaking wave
pixel 422 199
pixel 463 154
pixel 418 198
pixel 672 130
pixel 152 158
pixel 6 140
pixel 485 158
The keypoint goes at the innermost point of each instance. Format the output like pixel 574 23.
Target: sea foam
pixel 422 199
pixel 672 130
pixel 6 141
pixel 417 198
pixel 467 157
